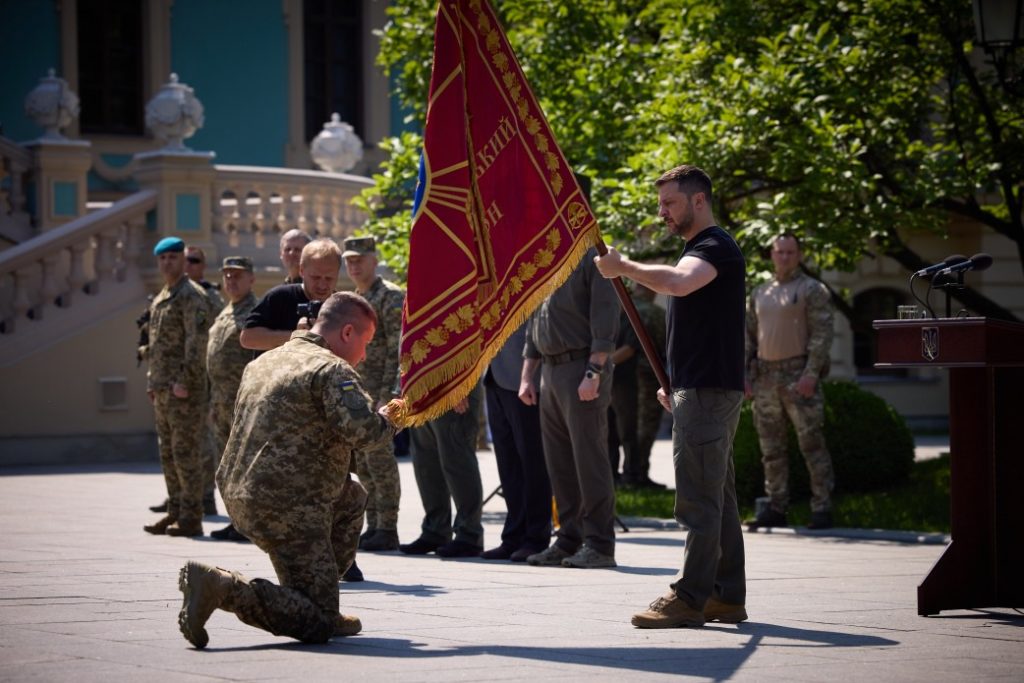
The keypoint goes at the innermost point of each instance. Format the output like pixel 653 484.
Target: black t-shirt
pixel 705 329
pixel 278 309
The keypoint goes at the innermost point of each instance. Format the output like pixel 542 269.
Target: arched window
pixel 878 303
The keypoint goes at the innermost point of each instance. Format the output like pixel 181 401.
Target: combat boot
pixel 380 541
pixel 366 536
pixel 347 625
pixel 204 588
pixel 162 507
pixel 177 529
pixel 160 527
pixel 725 612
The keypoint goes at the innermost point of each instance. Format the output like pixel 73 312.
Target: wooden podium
pixel 983 566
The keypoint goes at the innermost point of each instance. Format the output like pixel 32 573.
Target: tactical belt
pixel 559 358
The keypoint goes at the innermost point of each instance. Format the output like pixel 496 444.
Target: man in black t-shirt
pixel 705 357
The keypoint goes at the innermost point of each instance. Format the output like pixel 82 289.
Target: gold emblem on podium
pixel 930 343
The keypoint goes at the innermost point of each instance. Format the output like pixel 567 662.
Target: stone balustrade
pixel 15 162
pixel 250 203
pixel 74 259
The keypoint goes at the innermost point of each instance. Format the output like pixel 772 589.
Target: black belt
pixel 559 358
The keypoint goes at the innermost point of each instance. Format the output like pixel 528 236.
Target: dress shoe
pixel 353 574
pixel 459 549
pixel 162 507
pixel 820 520
pixel 381 541
pixel 668 612
pixel 177 529
pixel 160 527
pixel 502 552
pixel 347 625
pixel 229 533
pixel 209 505
pixel 766 519
pixel 204 588
pixel 420 546
pixel 523 553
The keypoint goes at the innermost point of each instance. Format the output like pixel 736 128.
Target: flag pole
pixel 641 332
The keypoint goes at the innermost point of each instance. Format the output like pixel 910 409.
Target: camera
pixel 310 310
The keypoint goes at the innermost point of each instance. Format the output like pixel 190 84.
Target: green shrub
pixel 870 445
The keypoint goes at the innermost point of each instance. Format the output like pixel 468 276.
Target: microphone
pixel 976 262
pixel 950 260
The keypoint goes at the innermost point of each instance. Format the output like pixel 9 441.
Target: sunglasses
pixel 193 259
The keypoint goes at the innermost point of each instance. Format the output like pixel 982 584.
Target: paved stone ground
pixel 86 596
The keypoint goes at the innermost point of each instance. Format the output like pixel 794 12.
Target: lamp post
pixel 999 26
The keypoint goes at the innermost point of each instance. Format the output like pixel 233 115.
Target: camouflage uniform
pixel 774 381
pixel 208 441
pixel 179 318
pixel 284 476
pixel 376 467
pixel 225 361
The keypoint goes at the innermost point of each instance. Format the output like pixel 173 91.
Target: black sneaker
pixel 769 517
pixel 420 546
pixel 229 533
pixel 459 549
pixel 820 520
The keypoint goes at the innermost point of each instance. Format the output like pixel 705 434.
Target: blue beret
pixel 168 244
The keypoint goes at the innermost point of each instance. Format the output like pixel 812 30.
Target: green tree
pixel 856 123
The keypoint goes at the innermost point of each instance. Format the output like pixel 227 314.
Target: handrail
pixel 71 233
pixel 298 175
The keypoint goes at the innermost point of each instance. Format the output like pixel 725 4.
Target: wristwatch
pixel 593 371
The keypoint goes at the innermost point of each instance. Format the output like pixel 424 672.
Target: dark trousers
pixel 519 451
pixel 575 437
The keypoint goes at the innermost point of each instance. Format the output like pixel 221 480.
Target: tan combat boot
pixel 668 612
pixel 725 612
pixel 205 588
pixel 179 529
pixel 347 625
pixel 160 528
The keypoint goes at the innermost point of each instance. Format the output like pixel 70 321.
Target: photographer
pixel 277 314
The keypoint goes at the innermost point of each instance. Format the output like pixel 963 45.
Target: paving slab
pixel 86 596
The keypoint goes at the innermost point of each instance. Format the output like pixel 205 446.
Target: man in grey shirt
pixel 571 336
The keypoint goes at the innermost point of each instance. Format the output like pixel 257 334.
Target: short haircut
pixel 292 234
pixel 689 179
pixel 787 236
pixel 342 308
pixel 318 249
pixel 193 248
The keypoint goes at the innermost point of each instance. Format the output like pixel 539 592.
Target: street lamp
pixel 999 25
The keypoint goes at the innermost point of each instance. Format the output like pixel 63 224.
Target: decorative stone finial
pixel 336 148
pixel 52 105
pixel 174 114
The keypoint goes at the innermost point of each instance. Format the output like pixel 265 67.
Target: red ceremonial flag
pixel 499 222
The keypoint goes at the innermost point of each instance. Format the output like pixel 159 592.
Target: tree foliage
pixel 853 123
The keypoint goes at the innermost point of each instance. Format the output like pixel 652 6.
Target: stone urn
pixel 336 148
pixel 174 114
pixel 52 105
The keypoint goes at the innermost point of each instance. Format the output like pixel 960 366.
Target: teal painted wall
pixel 29 45
pixel 234 53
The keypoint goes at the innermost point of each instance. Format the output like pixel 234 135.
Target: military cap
pixel 357 246
pixel 168 244
pixel 237 263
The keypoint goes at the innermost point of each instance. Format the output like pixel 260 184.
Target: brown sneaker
pixel 668 612
pixel 725 612
pixel 205 587
pixel 177 529
pixel 347 625
pixel 160 527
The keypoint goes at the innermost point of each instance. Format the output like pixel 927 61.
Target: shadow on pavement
pixel 713 662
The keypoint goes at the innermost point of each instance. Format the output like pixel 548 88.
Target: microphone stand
pixel 947 287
